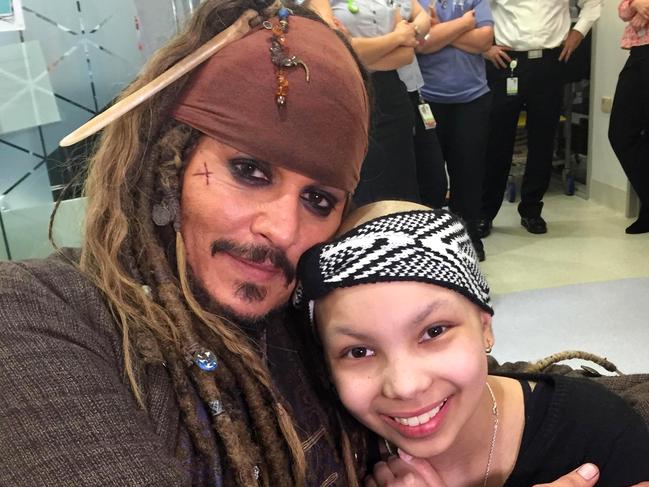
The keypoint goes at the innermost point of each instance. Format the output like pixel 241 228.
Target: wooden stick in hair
pixel 233 33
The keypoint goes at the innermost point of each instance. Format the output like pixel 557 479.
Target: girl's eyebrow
pixel 428 309
pixel 347 331
pixel 420 316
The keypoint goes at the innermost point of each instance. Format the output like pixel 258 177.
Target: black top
pixel 570 421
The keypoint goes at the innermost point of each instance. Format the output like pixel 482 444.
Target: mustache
pixel 257 254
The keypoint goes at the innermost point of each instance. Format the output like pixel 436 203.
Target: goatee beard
pixel 208 303
pixel 250 292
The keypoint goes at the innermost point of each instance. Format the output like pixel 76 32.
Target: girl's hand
pixel 404 471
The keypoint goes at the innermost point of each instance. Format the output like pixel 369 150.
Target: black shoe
pixel 478 246
pixel 641 225
pixel 483 228
pixel 534 224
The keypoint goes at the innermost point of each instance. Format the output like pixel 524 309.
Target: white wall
pixel 607 182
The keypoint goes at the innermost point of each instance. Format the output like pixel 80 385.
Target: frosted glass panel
pixel 11 15
pixel 15 166
pixel 27 228
pixel 32 190
pixel 89 51
pixel 3 243
pixel 64 11
pixel 26 96
pixel 73 116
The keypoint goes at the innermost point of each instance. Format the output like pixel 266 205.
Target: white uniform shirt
pixel 525 25
pixel 373 17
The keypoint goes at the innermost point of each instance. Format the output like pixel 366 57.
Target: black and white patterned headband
pixel 429 246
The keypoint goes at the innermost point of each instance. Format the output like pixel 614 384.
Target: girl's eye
pixel 319 202
pixel 359 352
pixel 249 171
pixel 433 332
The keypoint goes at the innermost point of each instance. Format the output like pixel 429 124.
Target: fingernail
pixel 587 471
pixel 403 455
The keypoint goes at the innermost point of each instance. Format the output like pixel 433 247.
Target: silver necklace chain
pixel 494 410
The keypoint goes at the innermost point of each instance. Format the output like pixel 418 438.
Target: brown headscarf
pixel 322 132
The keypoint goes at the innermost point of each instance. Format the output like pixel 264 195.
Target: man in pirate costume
pixel 162 353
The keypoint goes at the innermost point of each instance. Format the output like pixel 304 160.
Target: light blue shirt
pixel 452 75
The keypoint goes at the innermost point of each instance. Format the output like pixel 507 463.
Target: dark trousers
pixel 389 170
pixel 431 171
pixel 540 89
pixel 629 125
pixel 462 132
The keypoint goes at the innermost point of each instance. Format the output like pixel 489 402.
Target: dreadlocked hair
pixel 141 270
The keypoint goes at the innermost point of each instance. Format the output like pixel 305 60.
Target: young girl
pixel 404 317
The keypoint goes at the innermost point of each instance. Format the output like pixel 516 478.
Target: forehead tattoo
pixel 205 173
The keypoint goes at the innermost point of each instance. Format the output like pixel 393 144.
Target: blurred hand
pixel 570 44
pixel 498 56
pixel 434 19
pixel 642 7
pixel 585 476
pixel 404 471
pixel 406 34
pixel 639 22
pixel 469 19
pixel 341 27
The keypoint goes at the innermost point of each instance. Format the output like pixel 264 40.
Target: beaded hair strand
pixel 239 446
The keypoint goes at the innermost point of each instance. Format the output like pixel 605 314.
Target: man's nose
pixel 406 377
pixel 278 220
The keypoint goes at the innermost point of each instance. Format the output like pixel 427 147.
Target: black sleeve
pixel 584 422
pixel 624 460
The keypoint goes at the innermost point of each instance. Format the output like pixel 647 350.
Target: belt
pixel 534 53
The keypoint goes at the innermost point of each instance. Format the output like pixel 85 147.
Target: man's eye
pixel 249 171
pixel 359 352
pixel 434 332
pixel 319 202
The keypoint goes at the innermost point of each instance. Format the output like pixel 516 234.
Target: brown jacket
pixel 67 413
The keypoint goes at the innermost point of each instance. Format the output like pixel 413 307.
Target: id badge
pixel 512 86
pixel 427 116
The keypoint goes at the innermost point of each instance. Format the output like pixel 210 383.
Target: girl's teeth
pixel 421 419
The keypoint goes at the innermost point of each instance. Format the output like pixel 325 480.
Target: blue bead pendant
pixel 206 360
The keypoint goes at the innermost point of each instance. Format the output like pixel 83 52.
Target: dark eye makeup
pixel 257 173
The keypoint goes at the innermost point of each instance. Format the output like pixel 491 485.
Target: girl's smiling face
pixel 408 361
